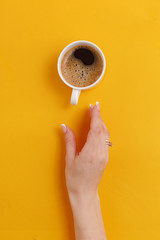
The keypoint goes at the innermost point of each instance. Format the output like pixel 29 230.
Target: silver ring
pixel 108 143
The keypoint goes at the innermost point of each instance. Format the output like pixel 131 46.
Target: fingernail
pixel 91 106
pixel 98 106
pixel 63 126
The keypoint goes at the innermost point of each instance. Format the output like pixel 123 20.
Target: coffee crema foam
pixel 76 71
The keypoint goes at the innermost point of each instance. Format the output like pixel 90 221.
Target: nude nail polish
pixel 63 126
pixel 98 106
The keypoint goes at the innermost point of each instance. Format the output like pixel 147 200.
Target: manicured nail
pixel 91 106
pixel 98 106
pixel 63 126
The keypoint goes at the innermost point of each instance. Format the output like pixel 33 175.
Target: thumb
pixel 70 140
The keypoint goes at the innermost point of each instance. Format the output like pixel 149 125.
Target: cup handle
pixel 75 96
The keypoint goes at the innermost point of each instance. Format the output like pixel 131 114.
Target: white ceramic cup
pixel 77 90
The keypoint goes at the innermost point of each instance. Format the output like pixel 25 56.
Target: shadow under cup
pixel 77 90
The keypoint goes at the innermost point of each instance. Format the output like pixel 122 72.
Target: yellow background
pixel 34 102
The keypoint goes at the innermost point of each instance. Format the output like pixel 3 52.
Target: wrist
pixel 87 217
pixel 84 201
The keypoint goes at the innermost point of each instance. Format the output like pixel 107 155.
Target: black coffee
pixel 81 66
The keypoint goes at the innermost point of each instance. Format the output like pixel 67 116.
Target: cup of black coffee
pixel 81 65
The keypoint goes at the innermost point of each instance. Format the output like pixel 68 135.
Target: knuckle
pixel 98 129
pixel 105 130
pixel 102 160
pixel 91 157
pixel 68 137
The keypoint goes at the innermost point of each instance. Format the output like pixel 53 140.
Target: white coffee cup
pixel 77 90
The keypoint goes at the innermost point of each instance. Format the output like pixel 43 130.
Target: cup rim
pixel 73 44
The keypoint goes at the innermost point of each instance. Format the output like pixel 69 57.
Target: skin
pixel 83 173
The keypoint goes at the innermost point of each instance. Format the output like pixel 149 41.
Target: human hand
pixel 84 170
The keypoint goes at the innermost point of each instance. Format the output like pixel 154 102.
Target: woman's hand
pixel 84 169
